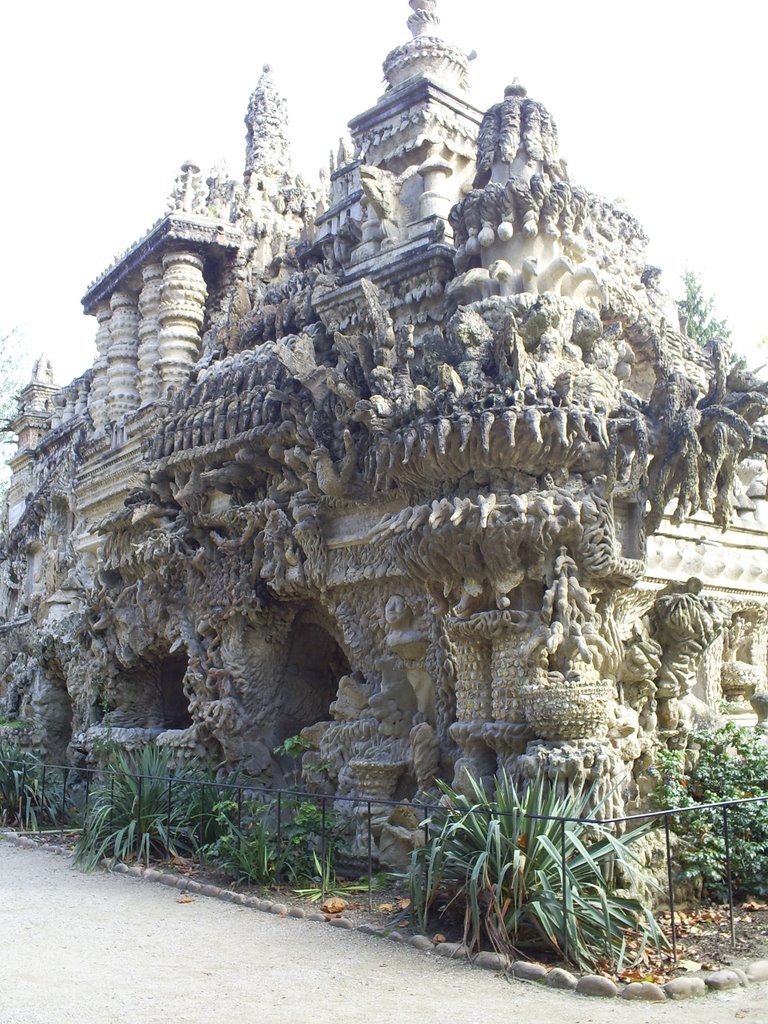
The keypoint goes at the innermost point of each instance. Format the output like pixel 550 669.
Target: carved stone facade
pixel 417 461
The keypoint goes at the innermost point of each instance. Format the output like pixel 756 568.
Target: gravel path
pixel 111 949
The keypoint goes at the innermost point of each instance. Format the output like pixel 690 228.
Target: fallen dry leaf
pixel 185 899
pixel 689 965
pixel 438 937
pixel 385 908
pixel 334 905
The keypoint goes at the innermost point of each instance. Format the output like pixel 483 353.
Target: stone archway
pixel 315 664
pixel 173 700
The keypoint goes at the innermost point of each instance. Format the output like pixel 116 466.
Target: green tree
pixel 698 310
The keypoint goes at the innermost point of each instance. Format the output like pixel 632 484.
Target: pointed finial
pixel 425 20
pixel 267 147
pixel 42 371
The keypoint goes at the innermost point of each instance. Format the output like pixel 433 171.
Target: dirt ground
pixel 111 949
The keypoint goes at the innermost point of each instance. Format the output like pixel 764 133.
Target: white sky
pixel 659 103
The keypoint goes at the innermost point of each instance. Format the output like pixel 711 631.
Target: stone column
pixel 509 732
pixel 97 399
pixel 473 702
pixel 182 306
pixel 81 402
pixel 70 395
pixel 59 403
pixel 122 373
pixel 434 201
pixel 149 327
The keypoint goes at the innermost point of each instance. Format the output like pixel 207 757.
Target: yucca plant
pixel 25 802
pixel 139 809
pixel 501 862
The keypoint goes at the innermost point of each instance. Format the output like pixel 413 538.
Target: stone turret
pixel 35 405
pixel 267 150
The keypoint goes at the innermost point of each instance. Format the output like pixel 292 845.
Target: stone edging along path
pixel 687 987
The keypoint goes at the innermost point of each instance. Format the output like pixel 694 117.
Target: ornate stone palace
pixel 419 461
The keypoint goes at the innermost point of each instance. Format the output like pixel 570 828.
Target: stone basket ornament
pixel 567 707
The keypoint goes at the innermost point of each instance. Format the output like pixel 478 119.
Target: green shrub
pixel 258 852
pixel 131 815
pixel 502 867
pixel 731 763
pixel 25 802
pixel 248 852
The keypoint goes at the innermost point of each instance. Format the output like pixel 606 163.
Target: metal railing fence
pixel 61 796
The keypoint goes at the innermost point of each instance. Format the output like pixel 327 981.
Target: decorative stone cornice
pixel 192 229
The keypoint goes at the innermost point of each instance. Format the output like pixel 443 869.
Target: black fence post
pixel 322 849
pixel 111 799
pixel 670 886
pixel 202 823
pixel 42 799
pixel 139 834
pixel 169 814
pixel 87 795
pixel 64 776
pixel 240 819
pixel 279 866
pixel 729 876
pixel 370 860
pixel 565 889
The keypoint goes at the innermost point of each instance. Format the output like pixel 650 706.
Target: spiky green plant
pixel 26 799
pixel 500 862
pixel 135 812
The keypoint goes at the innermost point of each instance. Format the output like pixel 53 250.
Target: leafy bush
pixel 25 802
pixel 249 852
pixel 131 814
pixel 258 852
pixel 501 864
pixel 731 764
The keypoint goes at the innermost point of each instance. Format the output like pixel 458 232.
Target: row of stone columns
pixel 147 341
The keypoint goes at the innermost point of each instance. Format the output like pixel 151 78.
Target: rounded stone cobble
pixel 721 981
pixel 560 978
pixel 644 990
pixel 597 985
pixel 491 961
pixel 685 988
pixel 172 880
pixel 757 970
pixel 525 971
pixel 278 908
pixel 341 922
pixel 451 950
pixel 419 942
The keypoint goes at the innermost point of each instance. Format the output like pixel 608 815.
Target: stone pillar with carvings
pixel 97 398
pixel 474 701
pixel 149 327
pixel 182 306
pixel 122 373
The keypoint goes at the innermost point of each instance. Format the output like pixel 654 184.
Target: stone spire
pixel 267 150
pixel 425 20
